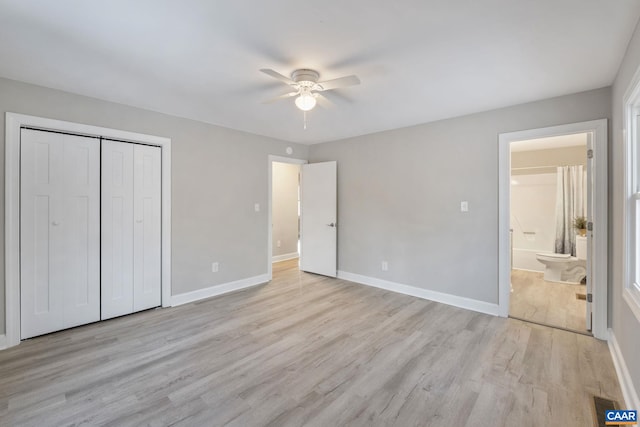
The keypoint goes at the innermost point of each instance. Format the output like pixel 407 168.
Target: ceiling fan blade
pixel 323 101
pixel 277 98
pixel 340 82
pixel 278 76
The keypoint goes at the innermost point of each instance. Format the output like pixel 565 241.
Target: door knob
pixel 333 224
pixel 55 223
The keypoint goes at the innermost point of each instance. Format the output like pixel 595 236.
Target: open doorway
pixel 548 212
pixel 316 212
pixel 284 210
pixel 595 303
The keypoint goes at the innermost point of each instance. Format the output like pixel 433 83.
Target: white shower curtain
pixel 570 203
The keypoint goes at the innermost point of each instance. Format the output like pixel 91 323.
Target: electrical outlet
pixel 464 206
pixel 214 267
pixel 385 266
pixel 256 207
pixel 278 243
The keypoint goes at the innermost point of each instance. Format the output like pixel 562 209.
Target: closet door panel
pixel 81 229
pixel 59 231
pixel 147 227
pixel 40 311
pixel 117 229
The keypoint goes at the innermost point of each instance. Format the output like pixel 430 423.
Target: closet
pixel 90 229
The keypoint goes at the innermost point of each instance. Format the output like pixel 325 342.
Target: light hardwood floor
pixel 549 303
pixel 306 350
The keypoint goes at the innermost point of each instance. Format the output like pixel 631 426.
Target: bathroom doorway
pixel 547 213
pixel 551 271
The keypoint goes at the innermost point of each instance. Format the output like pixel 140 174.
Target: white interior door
pixel 59 231
pixel 591 165
pixel 318 219
pixel 117 229
pixel 147 289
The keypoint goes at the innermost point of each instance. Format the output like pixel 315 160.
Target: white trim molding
pixel 453 300
pixel 626 384
pixel 631 153
pixel 598 130
pixel 284 257
pixel 12 204
pixel 216 290
pixel 3 342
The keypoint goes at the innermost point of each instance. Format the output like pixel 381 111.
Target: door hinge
pixel 589 297
pixel 589 153
pixel 590 226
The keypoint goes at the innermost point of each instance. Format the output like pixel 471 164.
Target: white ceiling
pixel 419 60
pixel 575 140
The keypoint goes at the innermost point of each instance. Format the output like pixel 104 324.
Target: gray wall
pixel 399 195
pixel 399 191
pixel 218 175
pixel 285 208
pixel 625 325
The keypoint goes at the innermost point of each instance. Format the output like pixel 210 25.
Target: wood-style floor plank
pixel 550 303
pixel 306 350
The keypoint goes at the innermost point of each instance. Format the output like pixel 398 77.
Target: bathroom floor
pixel 549 303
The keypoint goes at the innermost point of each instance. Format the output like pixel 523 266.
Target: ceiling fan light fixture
pixel 306 87
pixel 306 101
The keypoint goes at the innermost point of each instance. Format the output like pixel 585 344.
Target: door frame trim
pixel 279 159
pixel 600 140
pixel 13 123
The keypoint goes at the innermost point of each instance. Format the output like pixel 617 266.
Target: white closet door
pixel 117 229
pixel 147 227
pixel 59 231
pixel 130 228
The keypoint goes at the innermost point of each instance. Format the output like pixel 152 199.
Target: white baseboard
pixel 212 291
pixel 284 257
pixel 626 384
pixel 456 301
pixel 3 342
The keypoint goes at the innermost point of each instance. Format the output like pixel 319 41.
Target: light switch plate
pixel 464 206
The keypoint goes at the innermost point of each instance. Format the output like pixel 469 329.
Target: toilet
pixel 564 267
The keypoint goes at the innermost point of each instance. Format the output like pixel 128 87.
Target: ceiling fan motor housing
pixel 305 75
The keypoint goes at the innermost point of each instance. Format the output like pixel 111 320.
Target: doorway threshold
pixel 575 331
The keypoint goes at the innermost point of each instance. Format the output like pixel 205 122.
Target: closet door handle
pixel 55 223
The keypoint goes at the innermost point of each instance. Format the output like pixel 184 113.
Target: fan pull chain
pixel 304 115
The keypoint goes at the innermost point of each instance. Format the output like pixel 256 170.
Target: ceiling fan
pixel 307 88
